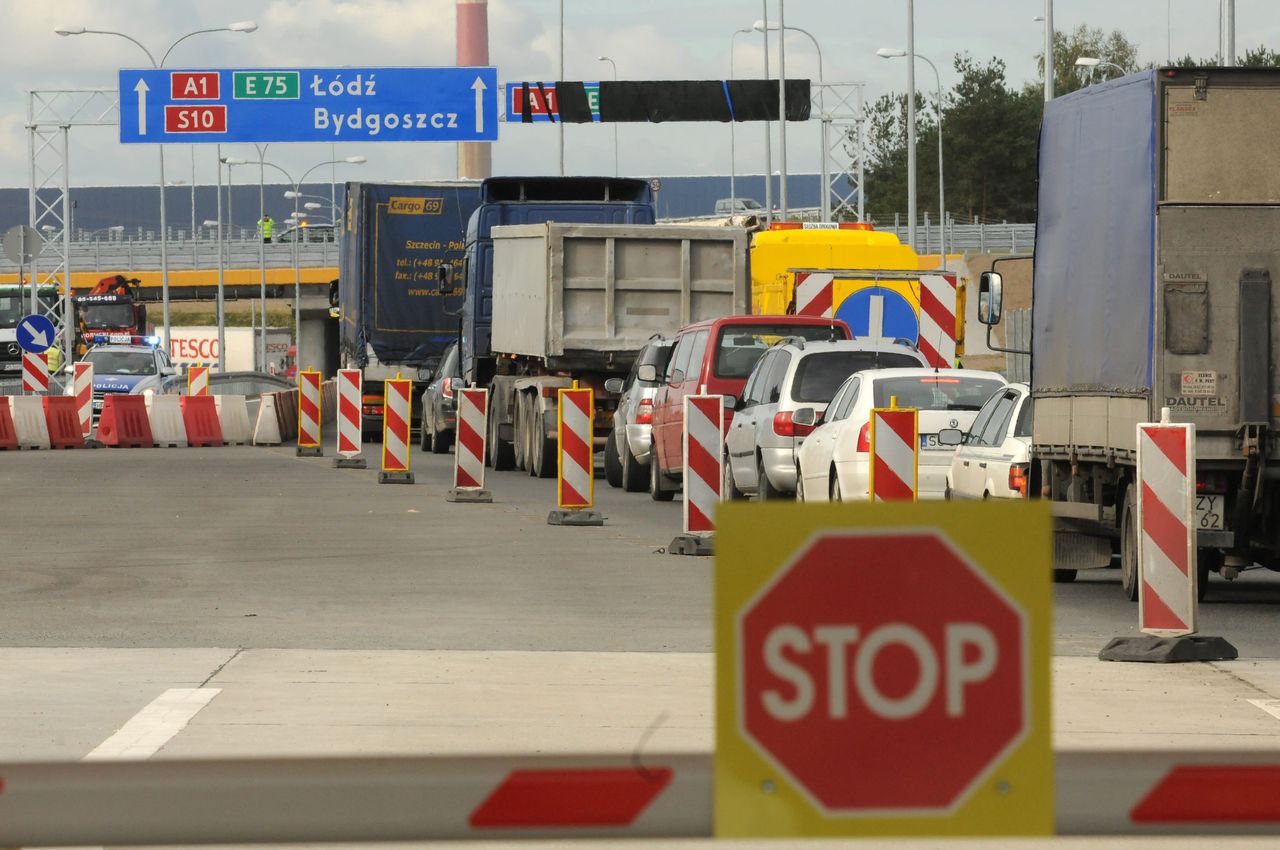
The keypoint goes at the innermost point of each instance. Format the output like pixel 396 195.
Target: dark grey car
pixel 626 455
pixel 439 413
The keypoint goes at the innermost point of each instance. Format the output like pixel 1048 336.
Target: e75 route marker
pixel 308 105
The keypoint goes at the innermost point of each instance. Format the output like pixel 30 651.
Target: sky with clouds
pixel 648 39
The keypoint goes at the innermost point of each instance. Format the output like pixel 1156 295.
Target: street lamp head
pixel 66 29
pixel 891 53
pixel 1088 62
pixel 243 26
pixel 234 160
pixel 603 59
pixel 355 160
pixel 759 26
pixel 312 205
pixel 290 194
pixel 208 222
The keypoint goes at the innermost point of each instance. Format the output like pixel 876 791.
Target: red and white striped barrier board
pixel 308 409
pixel 469 447
pixel 350 418
pixel 815 294
pixel 82 389
pixel 895 454
pixel 197 380
pixel 575 484
pixel 1167 529
pixel 938 319
pixel 703 456
pixel 35 372
pixel 395 432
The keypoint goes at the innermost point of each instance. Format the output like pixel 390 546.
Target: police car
pixel 126 365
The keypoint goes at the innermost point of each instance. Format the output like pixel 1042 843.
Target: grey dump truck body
pixel 577 302
pixel 1157 249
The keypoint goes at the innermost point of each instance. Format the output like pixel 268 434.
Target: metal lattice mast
pixel 50 116
pixel 840 106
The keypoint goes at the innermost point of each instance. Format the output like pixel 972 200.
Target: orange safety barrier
pixel 124 422
pixel 8 433
pixel 62 415
pixel 200 414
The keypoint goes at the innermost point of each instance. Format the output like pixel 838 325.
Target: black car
pixel 439 413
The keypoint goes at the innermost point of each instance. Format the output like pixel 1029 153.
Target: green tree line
pixel 990 130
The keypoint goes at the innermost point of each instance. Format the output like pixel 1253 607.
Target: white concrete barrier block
pixel 29 421
pixel 233 416
pixel 266 432
pixel 168 428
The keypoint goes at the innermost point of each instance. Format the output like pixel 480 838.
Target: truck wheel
pixel 1064 576
pixel 542 460
pixel 835 486
pixel 1129 546
pixel 612 463
pixel 657 492
pixel 521 429
pixel 633 477
pixel 501 455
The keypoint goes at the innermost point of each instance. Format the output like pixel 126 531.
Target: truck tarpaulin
pixel 394 239
pixel 1095 239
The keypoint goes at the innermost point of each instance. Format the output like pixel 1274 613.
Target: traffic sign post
pixel 225 106
pixel 883 670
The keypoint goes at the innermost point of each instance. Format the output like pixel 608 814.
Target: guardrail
pixel 130 255
pixel 972 238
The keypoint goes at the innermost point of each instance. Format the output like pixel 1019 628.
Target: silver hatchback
pixel 761 442
pixel 626 455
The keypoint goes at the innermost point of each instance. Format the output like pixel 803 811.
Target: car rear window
pixel 819 375
pixel 936 392
pixel 739 346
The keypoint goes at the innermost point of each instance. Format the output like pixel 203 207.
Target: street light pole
pixel 733 160
pixel 911 123
pixel 616 173
pixel 239 26
pixel 823 141
pixel 768 156
pixel 262 253
pixel 782 112
pixel 891 53
pixel 1048 50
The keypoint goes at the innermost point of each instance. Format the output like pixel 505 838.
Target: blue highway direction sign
pixel 308 105
pixel 35 333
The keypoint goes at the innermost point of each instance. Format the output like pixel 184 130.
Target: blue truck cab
pixel 532 200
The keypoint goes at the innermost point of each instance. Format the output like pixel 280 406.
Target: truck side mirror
pixel 444 277
pixel 990 297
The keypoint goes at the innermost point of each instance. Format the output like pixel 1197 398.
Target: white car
pixel 991 460
pixel 834 460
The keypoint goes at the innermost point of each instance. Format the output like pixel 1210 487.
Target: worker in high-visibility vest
pixel 265 226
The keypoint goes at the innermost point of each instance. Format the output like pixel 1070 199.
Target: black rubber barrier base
pixel 310 451
pixel 691 544
pixel 350 463
pixel 569 517
pixel 395 477
pixel 1158 650
pixel 468 494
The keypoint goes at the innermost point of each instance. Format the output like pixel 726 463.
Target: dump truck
pixel 1156 256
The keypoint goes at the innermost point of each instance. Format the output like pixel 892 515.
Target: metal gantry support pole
pixel 911 125
pixel 768 154
pixel 222 304
pixel 68 323
pixel 782 110
pixel 262 253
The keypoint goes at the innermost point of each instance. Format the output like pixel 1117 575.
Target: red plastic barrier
pixel 62 415
pixel 200 415
pixel 124 422
pixel 8 433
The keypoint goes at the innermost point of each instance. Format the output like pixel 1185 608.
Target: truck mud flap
pixel 1076 551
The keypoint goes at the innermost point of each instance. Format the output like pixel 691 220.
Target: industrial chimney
pixel 475 159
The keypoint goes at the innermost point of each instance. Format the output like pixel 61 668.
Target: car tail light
pixel 446 387
pixel 782 424
pixel 644 412
pixel 864 438
pixel 1018 478
pixel 801 430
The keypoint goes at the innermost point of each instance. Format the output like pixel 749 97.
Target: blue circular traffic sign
pixel 898 318
pixel 36 334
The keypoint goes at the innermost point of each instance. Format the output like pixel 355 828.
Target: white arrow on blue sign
pixel 308 105
pixel 35 333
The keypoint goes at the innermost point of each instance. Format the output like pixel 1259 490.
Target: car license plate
pixel 1209 511
pixel 929 443
pixel 97 404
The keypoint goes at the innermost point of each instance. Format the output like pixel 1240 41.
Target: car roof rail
pixel 797 341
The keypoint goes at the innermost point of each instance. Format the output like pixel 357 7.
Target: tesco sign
pixel 183 349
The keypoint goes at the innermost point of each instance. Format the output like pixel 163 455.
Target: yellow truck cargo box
pixel 773 252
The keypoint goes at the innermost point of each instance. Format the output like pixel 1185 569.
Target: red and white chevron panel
pixel 703 459
pixel 82 389
pixel 350 420
pixel 35 372
pixel 1167 529
pixel 469 447
pixel 197 380
pixel 309 408
pixel 938 319
pixel 395 426
pixel 815 294
pixel 575 487
pixel 895 455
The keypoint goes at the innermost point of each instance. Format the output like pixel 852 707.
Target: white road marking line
pixel 1270 706
pixel 155 725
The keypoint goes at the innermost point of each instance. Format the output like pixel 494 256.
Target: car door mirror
pixel 950 437
pixel 613 385
pixel 731 402
pixel 806 416
pixel 444 277
pixel 168 370
pixel 990 297
pixel 647 373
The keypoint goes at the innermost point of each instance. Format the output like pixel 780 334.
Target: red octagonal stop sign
pixel 883 672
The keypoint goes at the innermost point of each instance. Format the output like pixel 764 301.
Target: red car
pixel 716 357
